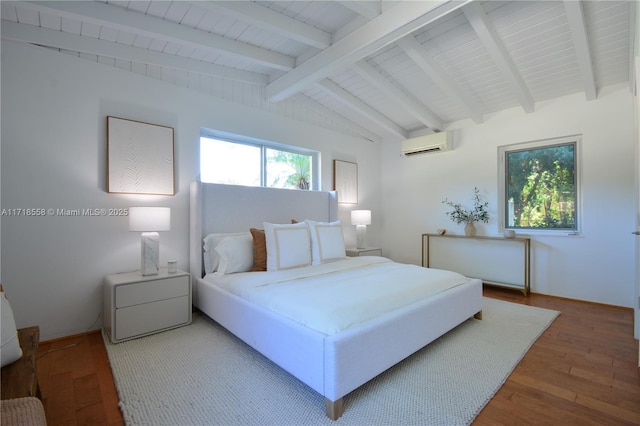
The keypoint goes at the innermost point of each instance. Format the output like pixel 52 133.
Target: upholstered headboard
pixel 233 208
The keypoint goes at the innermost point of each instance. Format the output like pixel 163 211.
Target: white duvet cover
pixel 335 296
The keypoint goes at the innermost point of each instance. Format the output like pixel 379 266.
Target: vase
pixel 470 230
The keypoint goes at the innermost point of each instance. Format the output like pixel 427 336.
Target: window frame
pixel 576 140
pixel 264 145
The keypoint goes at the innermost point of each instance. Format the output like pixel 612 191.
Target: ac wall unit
pixel 427 144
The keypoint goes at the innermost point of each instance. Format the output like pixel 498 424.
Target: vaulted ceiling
pixel 384 68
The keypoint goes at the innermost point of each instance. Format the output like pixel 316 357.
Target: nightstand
pixel 369 251
pixel 137 305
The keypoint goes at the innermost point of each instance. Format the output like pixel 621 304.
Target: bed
pixel 333 358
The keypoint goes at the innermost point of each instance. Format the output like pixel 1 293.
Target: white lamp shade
pixel 361 217
pixel 144 219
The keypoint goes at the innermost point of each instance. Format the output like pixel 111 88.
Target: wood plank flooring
pixel 76 382
pixel 581 371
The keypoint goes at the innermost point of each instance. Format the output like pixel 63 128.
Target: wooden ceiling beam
pixel 93 46
pixel 435 72
pixel 397 22
pixel 271 21
pixel 332 115
pixel 138 23
pixel 374 117
pixel 363 8
pixel 575 17
pixel 491 41
pixel 404 101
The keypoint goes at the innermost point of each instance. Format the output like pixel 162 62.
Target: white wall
pixel 54 109
pixel 598 266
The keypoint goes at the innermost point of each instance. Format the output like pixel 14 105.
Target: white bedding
pixel 335 296
pixel 332 364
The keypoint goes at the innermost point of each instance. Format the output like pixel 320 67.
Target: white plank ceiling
pixel 379 68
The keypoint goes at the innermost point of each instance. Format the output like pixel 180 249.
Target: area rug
pixel 202 375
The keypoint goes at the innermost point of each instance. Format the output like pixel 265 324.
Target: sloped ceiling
pixel 383 68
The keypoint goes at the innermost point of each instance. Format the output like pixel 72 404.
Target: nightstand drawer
pixel 142 319
pixel 150 291
pixel 136 305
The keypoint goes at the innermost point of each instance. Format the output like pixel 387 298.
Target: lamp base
pixel 150 249
pixel 361 236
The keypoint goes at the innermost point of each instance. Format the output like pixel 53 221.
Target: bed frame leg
pixel 334 408
pixel 478 315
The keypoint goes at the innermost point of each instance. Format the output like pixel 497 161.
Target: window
pixel 241 161
pixel 539 186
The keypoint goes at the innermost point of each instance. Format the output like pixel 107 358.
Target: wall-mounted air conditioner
pixel 427 144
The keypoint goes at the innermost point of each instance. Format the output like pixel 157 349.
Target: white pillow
pixel 327 241
pixel 288 246
pixel 10 350
pixel 236 254
pixel 211 258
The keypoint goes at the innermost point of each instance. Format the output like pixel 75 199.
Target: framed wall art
pixel 345 181
pixel 139 157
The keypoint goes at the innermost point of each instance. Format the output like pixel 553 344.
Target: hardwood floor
pixel 583 370
pixel 76 382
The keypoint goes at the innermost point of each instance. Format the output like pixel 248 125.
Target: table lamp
pixel 361 218
pixel 149 220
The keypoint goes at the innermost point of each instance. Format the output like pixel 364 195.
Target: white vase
pixel 470 230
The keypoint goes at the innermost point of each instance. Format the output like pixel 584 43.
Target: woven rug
pixel 202 375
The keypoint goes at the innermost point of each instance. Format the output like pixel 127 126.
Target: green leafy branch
pixel 478 213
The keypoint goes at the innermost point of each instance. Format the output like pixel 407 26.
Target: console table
pixel 504 262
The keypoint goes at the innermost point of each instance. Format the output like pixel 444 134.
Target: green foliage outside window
pixel 237 163
pixel 541 187
pixel 294 173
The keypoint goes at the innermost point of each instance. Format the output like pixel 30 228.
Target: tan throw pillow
pixel 259 250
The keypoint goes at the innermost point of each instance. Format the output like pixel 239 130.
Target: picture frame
pixel 140 157
pixel 345 181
